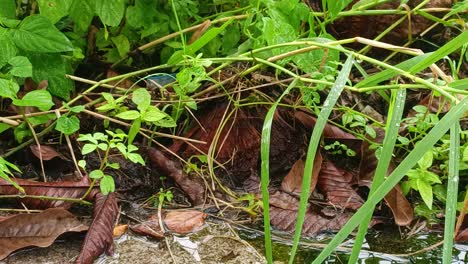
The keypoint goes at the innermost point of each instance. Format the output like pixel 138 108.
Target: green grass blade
pixel 421 147
pixel 452 192
pixel 313 145
pixel 459 84
pixel 441 52
pixel 393 125
pixel 265 171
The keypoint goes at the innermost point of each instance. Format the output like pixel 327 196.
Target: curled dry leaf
pixel 193 188
pixel 47 152
pixel 39 230
pixel 293 181
pixel 119 230
pixel 150 228
pixel 330 131
pixel 184 222
pixel 63 189
pixel 99 238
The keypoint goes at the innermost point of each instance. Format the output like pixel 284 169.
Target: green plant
pixel 5 173
pixel 98 142
pixel 337 148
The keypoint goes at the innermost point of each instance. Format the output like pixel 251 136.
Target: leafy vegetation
pixel 152 64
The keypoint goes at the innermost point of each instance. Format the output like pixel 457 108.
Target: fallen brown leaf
pixel 47 152
pixel 293 181
pixel 119 230
pixel 150 228
pixel 39 230
pixel 184 222
pixel 99 237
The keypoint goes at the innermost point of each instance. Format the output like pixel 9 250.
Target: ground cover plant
pixel 297 116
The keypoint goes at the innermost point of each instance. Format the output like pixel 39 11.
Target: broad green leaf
pixel 68 125
pixel 7 47
pixel 110 11
pixel 82 13
pixel 96 174
pixel 141 98
pixel 36 33
pixel 142 14
pixel 8 88
pixel 107 184
pixel 53 68
pixel 4 127
pixel 136 158
pixel 21 66
pixel 77 108
pixel 122 44
pixel 153 114
pixel 426 161
pixel 88 148
pixel 87 137
pixel 8 8
pixel 102 146
pixel 134 129
pixel 54 10
pixel 38 98
pixel 129 115
pixel 425 189
pixel 430 177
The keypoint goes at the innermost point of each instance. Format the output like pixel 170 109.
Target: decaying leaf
pixel 39 230
pixel 293 181
pixel 67 189
pixel 99 238
pixel 184 222
pixel 150 228
pixel 193 188
pixel 46 152
pixel 119 230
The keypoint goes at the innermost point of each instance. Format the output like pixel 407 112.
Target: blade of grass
pixel 421 147
pixel 452 193
pixel 265 171
pixel 395 112
pixel 333 95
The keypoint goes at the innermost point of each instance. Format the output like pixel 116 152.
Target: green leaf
pixel 82 13
pixel 425 189
pixel 21 66
pixel 68 125
pixel 8 88
pixel 4 127
pixel 7 47
pixel 465 154
pixel 82 164
pixel 77 108
pixel 122 44
pixel 129 115
pixel 430 177
pixel 113 165
pixel 153 114
pixel 88 148
pixel 53 68
pixel 426 161
pixel 107 184
pixel 110 11
pixel 370 131
pixel 54 10
pixel 87 137
pixel 8 8
pixel 96 174
pixel 136 158
pixel 38 98
pixel 37 33
pixel 102 146
pixel 134 129
pixel 141 98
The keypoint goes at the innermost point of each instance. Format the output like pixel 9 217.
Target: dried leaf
pixel 47 152
pixel 401 208
pixel 67 189
pixel 184 222
pixel 99 237
pixel 330 131
pixel 119 230
pixel 293 181
pixel 39 230
pixel 193 188
pixel 149 228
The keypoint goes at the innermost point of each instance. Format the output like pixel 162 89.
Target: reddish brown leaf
pixel 149 228
pixel 39 230
pixel 47 152
pixel 293 181
pixel 336 183
pixel 184 222
pixel 330 131
pixel 99 237
pixel 67 189
pixel 193 188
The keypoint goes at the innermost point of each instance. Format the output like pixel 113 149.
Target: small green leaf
pixel 142 99
pixel 102 146
pixel 96 174
pixel 8 88
pixel 113 165
pixel 7 48
pixel 426 161
pixel 36 33
pixel 87 137
pixel 77 109
pixel 122 44
pixel 107 184
pixel 82 164
pixel 68 125
pixel 38 98
pixel 430 177
pixel 88 148
pixel 465 154
pixel 153 114
pixel 136 158
pixel 134 129
pixel 425 189
pixel 370 131
pixel 110 11
pixel 129 115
